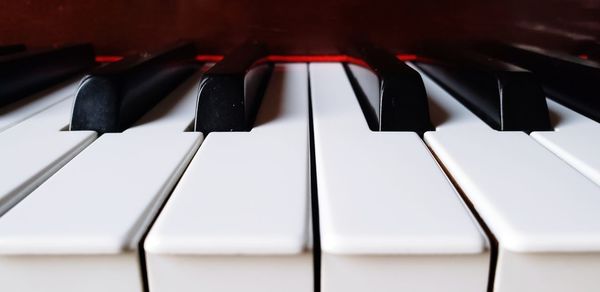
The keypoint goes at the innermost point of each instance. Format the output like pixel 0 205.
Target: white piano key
pixel 19 111
pixel 544 214
pixel 238 219
pixel 84 224
pixel 389 218
pixel 575 140
pixel 35 149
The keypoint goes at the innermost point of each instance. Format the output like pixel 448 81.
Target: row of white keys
pixel 80 230
pixel 543 213
pixel 238 219
pixel 19 111
pixel 390 220
pixel 575 139
pixel 35 149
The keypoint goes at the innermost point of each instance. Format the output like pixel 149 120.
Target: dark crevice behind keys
pixel 392 95
pixel 113 97
pixel 570 81
pixel 11 49
pixel 25 73
pixel 232 90
pixel 506 97
pixel 589 49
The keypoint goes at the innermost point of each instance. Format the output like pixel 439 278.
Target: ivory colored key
pixel 238 219
pixel 35 149
pixel 543 213
pixel 81 229
pixel 18 111
pixel 575 140
pixel 389 218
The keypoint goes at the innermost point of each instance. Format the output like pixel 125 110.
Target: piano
pixel 334 146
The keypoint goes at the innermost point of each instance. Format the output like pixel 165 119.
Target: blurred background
pixel 298 27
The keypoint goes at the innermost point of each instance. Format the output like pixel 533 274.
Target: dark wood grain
pixel 299 27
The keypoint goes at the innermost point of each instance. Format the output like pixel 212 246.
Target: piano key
pixel 35 149
pixel 231 91
pixel 506 97
pixel 540 210
pixel 85 223
pixel 238 219
pixel 11 49
pixel 19 111
pixel 26 73
pixel 25 166
pixel 390 93
pixel 571 81
pixel 575 140
pixel 114 96
pixel 389 218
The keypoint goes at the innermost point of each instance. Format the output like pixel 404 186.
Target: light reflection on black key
pixel 391 94
pixel 571 81
pixel 506 97
pixel 231 91
pixel 113 97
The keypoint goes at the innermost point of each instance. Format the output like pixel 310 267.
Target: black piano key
pixel 232 90
pixel 113 97
pixel 25 73
pixel 568 80
pixel 11 49
pixel 506 97
pixel 392 95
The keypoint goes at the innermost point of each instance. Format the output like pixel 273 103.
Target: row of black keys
pixel 114 96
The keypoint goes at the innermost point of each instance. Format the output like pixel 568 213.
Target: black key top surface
pixel 570 81
pixel 231 91
pixel 506 97
pixel 25 73
pixel 113 97
pixel 11 49
pixel 391 94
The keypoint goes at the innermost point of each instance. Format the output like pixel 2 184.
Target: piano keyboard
pixel 453 172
